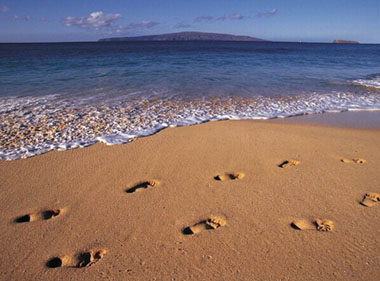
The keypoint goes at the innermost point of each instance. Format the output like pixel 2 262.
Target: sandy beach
pixel 214 201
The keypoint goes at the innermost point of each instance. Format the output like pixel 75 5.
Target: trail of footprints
pixel 89 258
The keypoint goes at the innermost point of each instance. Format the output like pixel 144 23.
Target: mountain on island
pixel 345 42
pixel 186 36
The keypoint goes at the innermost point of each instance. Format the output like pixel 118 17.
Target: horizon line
pixel 264 41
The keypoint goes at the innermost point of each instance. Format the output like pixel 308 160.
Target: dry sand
pixel 206 202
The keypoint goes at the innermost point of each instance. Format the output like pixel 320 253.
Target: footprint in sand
pixel 210 223
pixel 318 224
pixel 370 199
pixel 355 160
pixel 142 185
pixel 288 163
pixel 84 259
pixel 44 215
pixel 230 176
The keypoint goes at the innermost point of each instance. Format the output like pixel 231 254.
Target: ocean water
pixel 69 95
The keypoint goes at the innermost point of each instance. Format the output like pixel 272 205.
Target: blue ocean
pixel 68 95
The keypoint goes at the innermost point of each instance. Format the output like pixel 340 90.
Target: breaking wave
pixel 372 81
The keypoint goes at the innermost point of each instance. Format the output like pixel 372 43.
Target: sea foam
pixel 372 81
pixel 32 126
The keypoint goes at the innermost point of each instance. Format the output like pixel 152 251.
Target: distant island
pixel 345 42
pixel 186 36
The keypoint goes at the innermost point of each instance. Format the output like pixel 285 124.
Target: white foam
pixel 125 121
pixel 372 82
pixel 115 138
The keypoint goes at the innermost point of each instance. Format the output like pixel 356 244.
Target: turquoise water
pixel 137 88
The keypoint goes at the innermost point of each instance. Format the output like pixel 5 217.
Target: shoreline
pixel 129 205
pixel 359 119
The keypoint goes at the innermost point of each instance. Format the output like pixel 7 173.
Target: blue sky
pixel 282 20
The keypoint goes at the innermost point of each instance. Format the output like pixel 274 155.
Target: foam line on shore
pixel 35 125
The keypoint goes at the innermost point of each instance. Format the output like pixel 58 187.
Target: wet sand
pixel 347 119
pixel 218 201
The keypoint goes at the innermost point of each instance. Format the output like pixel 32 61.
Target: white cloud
pixel 142 25
pixel 232 17
pixel 268 14
pixel 272 12
pixel 133 26
pixel 203 18
pixel 106 23
pixel 96 20
pixel 4 9
pixel 25 18
pixel 235 16
pixel 182 25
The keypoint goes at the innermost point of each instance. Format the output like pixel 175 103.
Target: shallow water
pixel 61 96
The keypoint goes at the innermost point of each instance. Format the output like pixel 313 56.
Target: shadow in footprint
pixel 288 163
pixel 355 160
pixel 142 185
pixel 294 226
pixel 187 231
pixel 49 214
pixel 318 224
pixel 210 223
pixel 44 215
pixel 22 219
pixel 231 176
pixel 84 259
pixel 54 262
pixel 196 228
pixel 219 178
pixel 89 258
pixel 303 225
pixel 370 199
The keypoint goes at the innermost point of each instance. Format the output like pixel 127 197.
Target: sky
pixel 277 20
